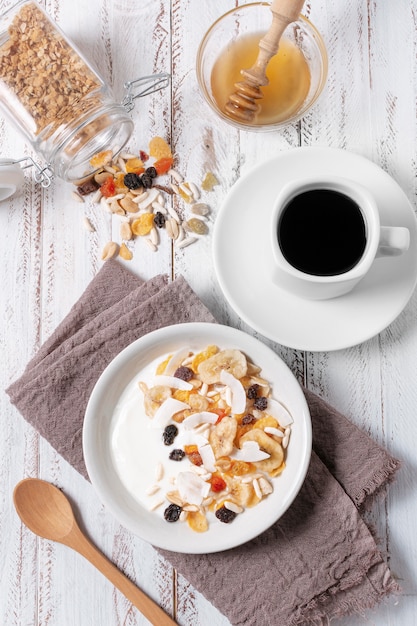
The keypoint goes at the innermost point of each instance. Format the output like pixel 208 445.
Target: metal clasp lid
pixel 42 175
pixel 147 85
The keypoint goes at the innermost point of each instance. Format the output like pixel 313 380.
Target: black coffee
pixel 322 232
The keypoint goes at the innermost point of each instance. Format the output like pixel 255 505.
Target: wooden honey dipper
pixel 243 104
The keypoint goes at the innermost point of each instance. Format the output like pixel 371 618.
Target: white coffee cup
pixel 11 178
pixel 326 234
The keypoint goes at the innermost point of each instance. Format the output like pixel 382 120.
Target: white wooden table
pixel 47 260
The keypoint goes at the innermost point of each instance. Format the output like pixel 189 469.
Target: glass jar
pixel 54 97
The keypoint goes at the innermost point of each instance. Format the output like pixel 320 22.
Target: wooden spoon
pixel 242 104
pixel 47 512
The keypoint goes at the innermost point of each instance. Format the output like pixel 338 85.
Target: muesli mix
pixel 129 187
pixel 221 425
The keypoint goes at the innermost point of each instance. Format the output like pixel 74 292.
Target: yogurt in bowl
pixel 197 437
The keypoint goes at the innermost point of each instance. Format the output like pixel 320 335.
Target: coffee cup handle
pixel 393 241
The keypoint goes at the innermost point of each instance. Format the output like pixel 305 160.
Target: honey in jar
pixel 288 74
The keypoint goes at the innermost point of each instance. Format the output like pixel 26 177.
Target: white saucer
pixel 243 259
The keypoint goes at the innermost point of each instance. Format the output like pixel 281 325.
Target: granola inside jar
pixel 53 96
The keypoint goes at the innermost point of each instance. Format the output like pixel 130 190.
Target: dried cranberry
pixel 225 515
pixel 177 454
pixel 132 181
pixel 172 513
pixel 252 391
pixel 185 373
pixel 169 434
pixel 261 403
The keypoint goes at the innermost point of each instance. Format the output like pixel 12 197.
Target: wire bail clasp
pixel 147 84
pixel 42 175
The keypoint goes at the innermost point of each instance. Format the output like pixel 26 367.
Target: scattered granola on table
pixel 128 186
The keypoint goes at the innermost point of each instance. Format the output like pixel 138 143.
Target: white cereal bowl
pixel 98 431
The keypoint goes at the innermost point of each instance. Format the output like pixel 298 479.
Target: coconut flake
pixel 172 381
pixel 166 411
pixel 192 488
pixel 274 431
pixel 238 392
pixel 208 458
pixel 203 417
pixel 250 452
pixel 278 410
pixel 176 361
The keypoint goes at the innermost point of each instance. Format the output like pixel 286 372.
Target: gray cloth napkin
pixel 319 561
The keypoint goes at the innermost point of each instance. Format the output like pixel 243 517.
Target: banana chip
pixel 232 361
pixel 222 436
pixel 268 444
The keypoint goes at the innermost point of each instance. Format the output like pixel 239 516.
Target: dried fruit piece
pixel 143 224
pixel 101 158
pixel 232 361
pixel 260 403
pixel 197 521
pixel 177 454
pixel 217 483
pixel 163 165
pixel 158 148
pixel 209 182
pixel 146 180
pixel 199 208
pixel 135 165
pixel 225 515
pixel 222 437
pixel 242 493
pixel 193 455
pixel 89 186
pixel 269 445
pixel 172 513
pixel 132 181
pixel 125 253
pixel 169 434
pixel 108 188
pixel 159 219
pixel 202 356
pixel 183 372
pixel 196 226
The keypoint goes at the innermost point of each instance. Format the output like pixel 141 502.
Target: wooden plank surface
pixel 368 107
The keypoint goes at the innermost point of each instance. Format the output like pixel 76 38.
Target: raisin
pixel 172 513
pixel 169 434
pixel 177 454
pixel 260 403
pixel 184 373
pixel 133 181
pixel 151 171
pixel 88 187
pixel 225 515
pixel 252 391
pixel 159 219
pixel 248 419
pixel 147 181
